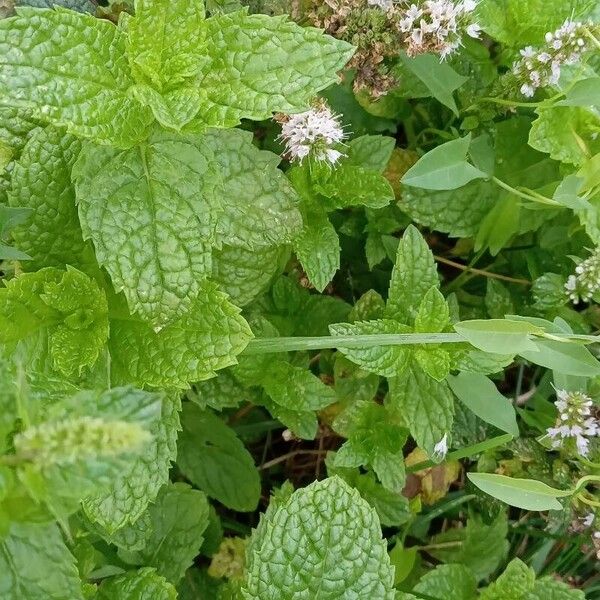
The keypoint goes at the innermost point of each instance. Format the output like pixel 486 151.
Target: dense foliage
pixel 299 300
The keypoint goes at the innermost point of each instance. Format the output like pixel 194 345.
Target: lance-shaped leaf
pixel 154 212
pixel 70 69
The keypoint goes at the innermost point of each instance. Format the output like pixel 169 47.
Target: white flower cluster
pixel 540 67
pixel 441 448
pixel 437 26
pixel 313 133
pixel 586 280
pixel 575 422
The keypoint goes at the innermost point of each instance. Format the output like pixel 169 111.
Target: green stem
pixel 494 442
pixel 290 344
pixel 293 344
pixel 521 194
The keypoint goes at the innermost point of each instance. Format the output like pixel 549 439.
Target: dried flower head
pixel 540 67
pixel 586 281
pixel 575 424
pixel 437 26
pixel 316 133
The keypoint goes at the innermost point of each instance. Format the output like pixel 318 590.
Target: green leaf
pixel 439 77
pixel 585 92
pixel 426 406
pixel 498 301
pixel 518 23
pixel 458 213
pixel 375 438
pixel 482 547
pixel 35 564
pixel 67 306
pixel 448 581
pixel 178 517
pixel 566 133
pixel 388 361
pixel 501 336
pixel 563 357
pixel 41 182
pixel 392 508
pixel 128 495
pixel 166 41
pixel 414 273
pixel 318 248
pixel 549 588
pixel 297 389
pixel 349 185
pixel 153 212
pixel 514 584
pixel 522 493
pixel 84 442
pixel 481 396
pixel 244 274
pixel 444 168
pixel 257 65
pixel 192 348
pixel 144 584
pixel 434 360
pixel 371 152
pixel 82 61
pixel 213 458
pixel 328 518
pixel 87 6
pixel 433 314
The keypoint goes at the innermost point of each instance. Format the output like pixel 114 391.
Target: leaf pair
pixel 110 82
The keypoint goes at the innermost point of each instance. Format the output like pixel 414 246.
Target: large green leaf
pixel 213 458
pixel 257 65
pixel 501 336
pixel 70 69
pixel 35 564
pixel 155 211
pixel 41 181
pixel 335 551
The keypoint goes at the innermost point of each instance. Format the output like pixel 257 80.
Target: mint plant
pixel 299 300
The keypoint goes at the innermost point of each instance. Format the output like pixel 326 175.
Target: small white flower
pixel 573 423
pixel 313 133
pixel 586 280
pixel 474 30
pixel 441 448
pixel 527 90
pixel 588 520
